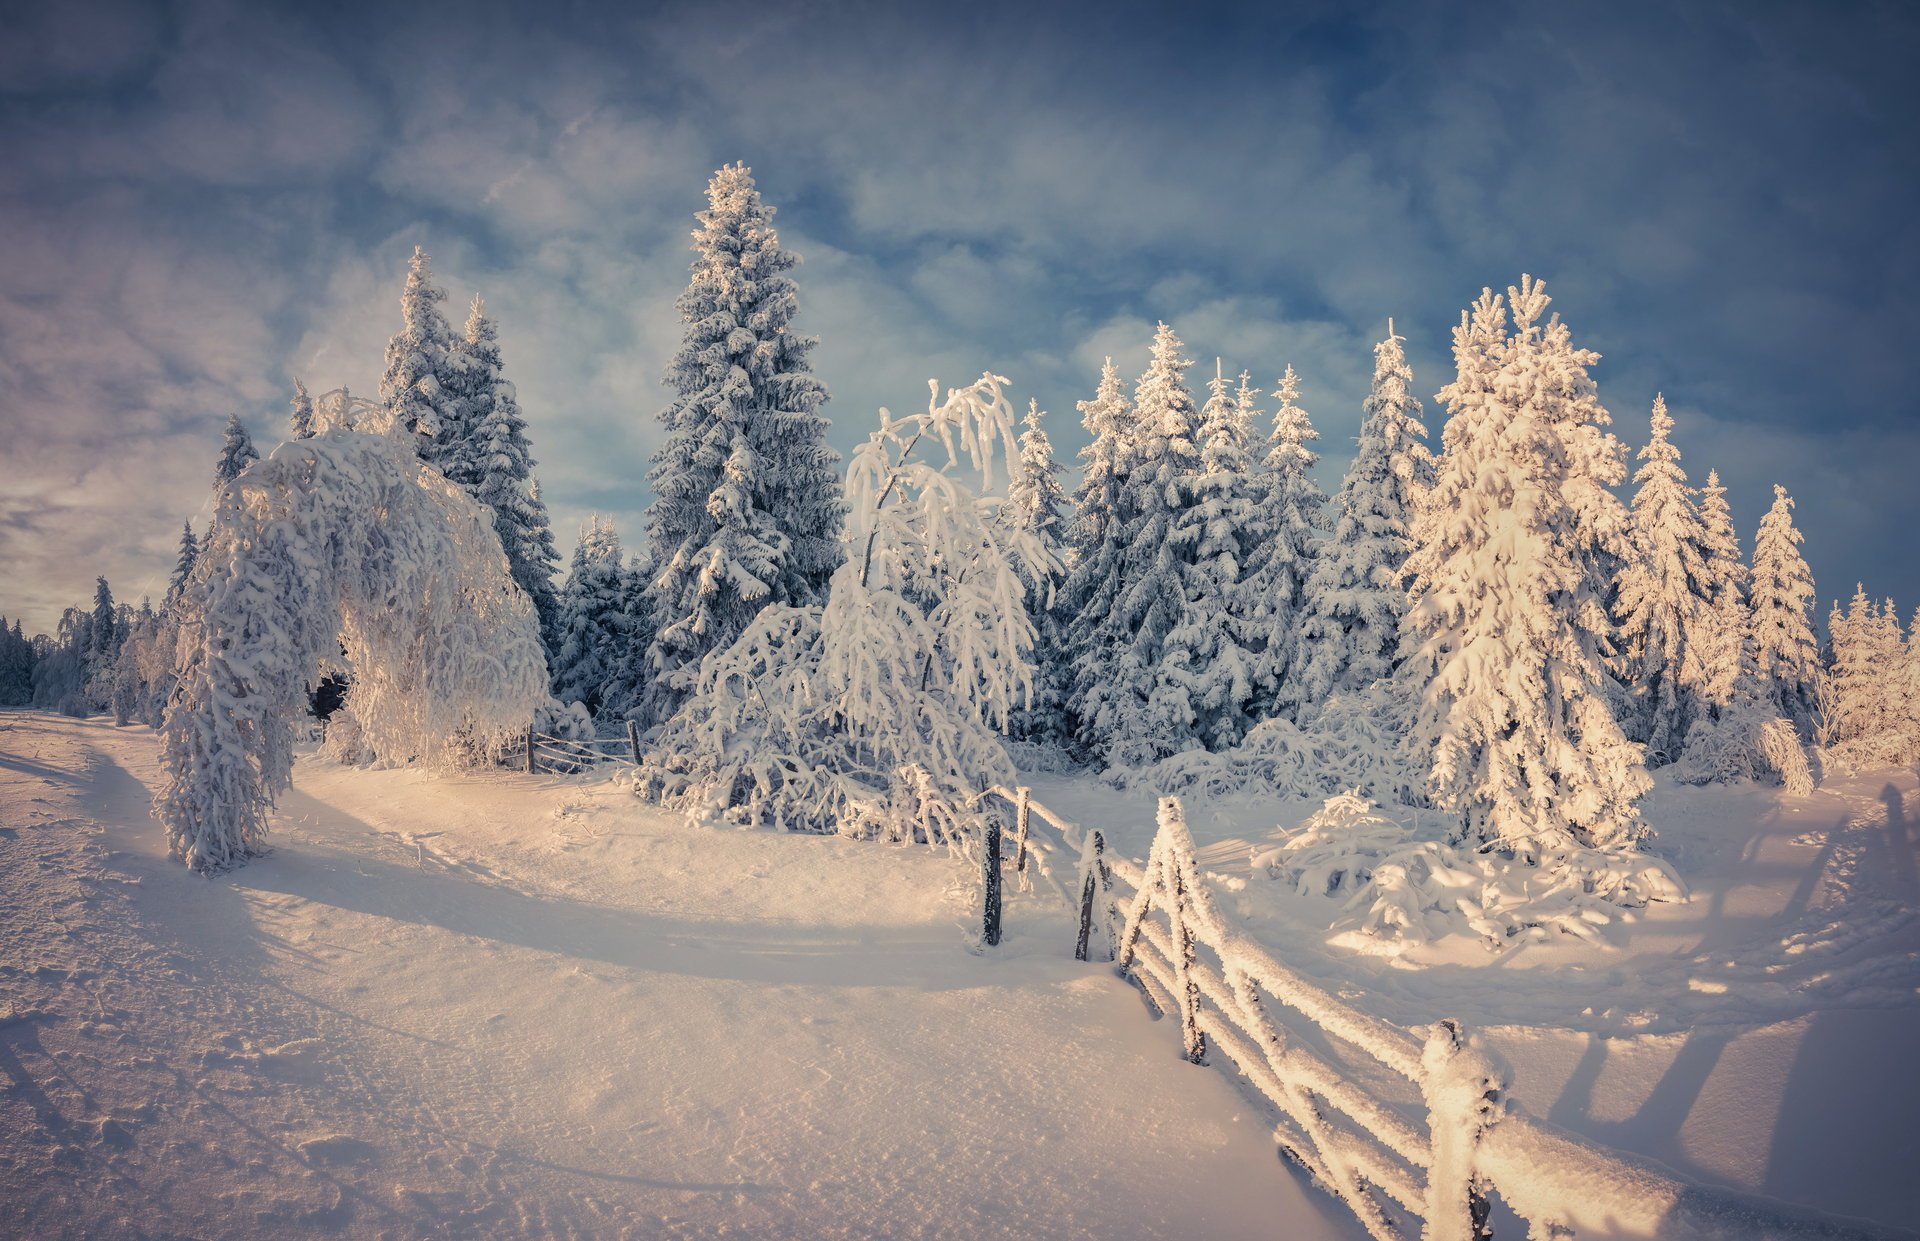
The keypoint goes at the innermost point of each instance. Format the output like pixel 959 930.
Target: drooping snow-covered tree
pixel 236 453
pixel 1037 506
pixel 876 714
pixel 1130 709
pixel 1205 650
pixel 421 385
pixel 1085 603
pixel 592 610
pixel 747 503
pixel 1508 621
pixel 1281 556
pixel 300 421
pixel 1356 596
pixel 342 540
pixel 495 465
pixel 1715 654
pixel 1786 657
pixel 1664 601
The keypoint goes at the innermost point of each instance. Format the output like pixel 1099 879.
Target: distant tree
pixel 1037 506
pixel 182 566
pixel 300 423
pixel 1085 606
pixel 1786 658
pixel 1282 557
pixel 1714 656
pixel 1357 595
pixel 592 617
pixel 748 503
pixel 236 454
pixel 422 381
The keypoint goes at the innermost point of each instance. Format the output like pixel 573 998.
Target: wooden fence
pixel 1407 1128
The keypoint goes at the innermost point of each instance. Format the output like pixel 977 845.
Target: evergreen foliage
pixel 1786 658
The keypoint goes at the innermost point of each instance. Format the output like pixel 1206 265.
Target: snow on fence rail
pixel 545 752
pixel 1399 1126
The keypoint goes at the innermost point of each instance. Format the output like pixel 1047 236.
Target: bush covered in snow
pixel 877 714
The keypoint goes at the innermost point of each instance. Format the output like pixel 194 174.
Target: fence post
pixel 633 739
pixel 531 769
pixel 1093 885
pixel 1188 996
pixel 1462 1099
pixel 990 906
pixel 1020 829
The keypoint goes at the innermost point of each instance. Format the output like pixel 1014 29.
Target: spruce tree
pixel 495 466
pixel 1281 558
pixel 1036 505
pixel 107 632
pixel 300 422
pixel 1204 650
pixel 422 382
pixel 182 566
pixel 1357 595
pixel 1509 587
pixel 1086 601
pixel 1664 597
pixel 236 453
pixel 592 607
pixel 1786 657
pixel 1715 656
pixel 748 503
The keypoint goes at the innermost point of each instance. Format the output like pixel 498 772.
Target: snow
pixel 518 1006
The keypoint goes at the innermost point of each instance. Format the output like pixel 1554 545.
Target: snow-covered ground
pixel 1763 1035
pixel 516 1006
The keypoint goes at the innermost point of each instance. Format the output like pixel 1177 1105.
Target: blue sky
pixel 200 201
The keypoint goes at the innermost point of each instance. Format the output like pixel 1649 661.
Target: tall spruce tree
pixel 236 453
pixel 1357 594
pixel 1281 559
pixel 1036 505
pixel 495 466
pixel 1786 657
pixel 1205 651
pixel 1665 597
pixel 1509 587
pixel 1715 656
pixel 423 378
pixel 1086 601
pixel 748 504
pixel 592 611
pixel 182 566
pixel 300 421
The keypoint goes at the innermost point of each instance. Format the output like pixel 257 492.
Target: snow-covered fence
pixel 545 752
pixel 1401 1126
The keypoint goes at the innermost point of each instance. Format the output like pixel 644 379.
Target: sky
pixel 200 202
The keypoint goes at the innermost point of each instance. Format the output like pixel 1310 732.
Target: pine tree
pixel 300 422
pixel 1855 677
pixel 1134 709
pixel 1281 558
pixel 1786 656
pixel 1357 595
pixel 236 454
pixel 1509 590
pixel 423 377
pixel 108 632
pixel 183 566
pixel 1085 607
pixel 495 466
pixel 1037 506
pixel 1204 650
pixel 1715 656
pixel 1664 599
pixel 592 610
pixel 748 504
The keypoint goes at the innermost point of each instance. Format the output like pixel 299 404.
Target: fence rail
pixel 1418 1128
pixel 543 752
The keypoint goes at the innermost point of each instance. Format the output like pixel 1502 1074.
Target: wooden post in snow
pixel 1094 882
pixel 633 739
pixel 531 769
pixel 990 876
pixel 1021 820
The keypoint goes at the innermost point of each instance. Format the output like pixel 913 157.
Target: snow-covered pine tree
pixel 495 465
pixel 1037 506
pixel 592 607
pixel 423 378
pixel 1715 654
pixel 1786 656
pixel 1281 556
pixel 107 633
pixel 1085 603
pixel 300 422
pixel 236 454
pixel 1853 677
pixel 1131 711
pixel 1204 650
pixel 1664 598
pixel 748 504
pixel 1508 601
pixel 1357 594
pixel 182 566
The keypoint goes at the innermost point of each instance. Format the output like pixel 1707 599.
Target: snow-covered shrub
pixel 1750 740
pixel 1352 742
pixel 342 540
pixel 877 714
pixel 1402 890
